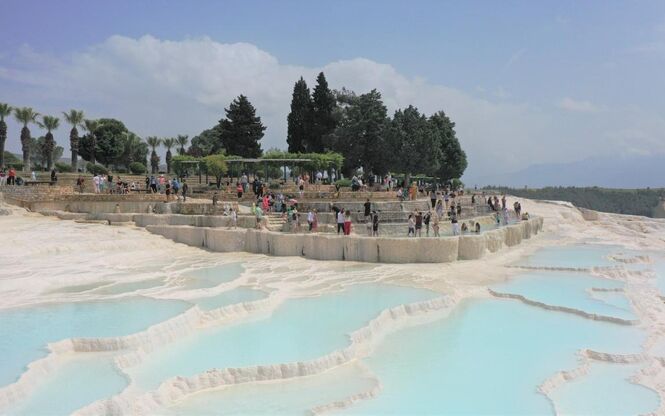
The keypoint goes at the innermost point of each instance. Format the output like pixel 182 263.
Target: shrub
pixel 63 167
pixel 96 169
pixel 343 183
pixel 137 168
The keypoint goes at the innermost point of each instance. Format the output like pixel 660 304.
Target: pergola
pixel 265 162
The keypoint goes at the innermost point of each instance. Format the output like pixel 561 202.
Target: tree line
pixel 357 126
pixel 104 141
pixel 617 201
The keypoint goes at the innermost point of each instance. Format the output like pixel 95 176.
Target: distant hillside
pixel 608 172
pixel 645 202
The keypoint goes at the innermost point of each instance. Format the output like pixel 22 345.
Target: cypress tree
pixel 242 129
pixel 299 119
pixel 323 120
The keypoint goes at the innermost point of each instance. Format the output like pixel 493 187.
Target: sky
pixel 525 82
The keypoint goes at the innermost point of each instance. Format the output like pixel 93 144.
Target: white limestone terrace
pixel 457 280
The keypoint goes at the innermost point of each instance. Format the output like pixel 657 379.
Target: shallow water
pixel 208 277
pixel 571 256
pixel 76 383
pixel 26 331
pixel 570 290
pixel 300 329
pixel 488 357
pixel 606 390
pixel 288 397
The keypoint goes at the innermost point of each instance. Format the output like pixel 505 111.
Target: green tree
pixel 182 142
pixel 5 111
pixel 453 159
pixel 168 142
pixel 41 152
pixel 242 130
pixel 110 141
pixel 360 134
pixel 153 142
pixel 26 116
pixel 299 119
pixel 75 119
pixel 411 136
pixel 216 165
pixel 50 123
pixel 207 143
pixel 323 119
pixel 90 140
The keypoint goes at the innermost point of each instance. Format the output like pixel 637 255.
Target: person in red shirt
pixel 11 177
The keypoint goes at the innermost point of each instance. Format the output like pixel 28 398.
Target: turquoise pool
pixel 488 357
pixel 300 329
pixel 27 331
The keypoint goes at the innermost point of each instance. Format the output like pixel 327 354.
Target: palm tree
pixel 50 123
pixel 168 143
pixel 91 126
pixel 5 110
pixel 182 142
pixel 26 115
pixel 132 142
pixel 154 159
pixel 74 118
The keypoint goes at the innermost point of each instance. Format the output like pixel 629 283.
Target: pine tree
pixel 323 120
pixel 242 129
pixel 299 119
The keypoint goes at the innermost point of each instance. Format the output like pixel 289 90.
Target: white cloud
pixel 579 106
pixel 161 87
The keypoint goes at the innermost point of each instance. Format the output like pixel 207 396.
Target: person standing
pixel 239 190
pixel 435 224
pixel 419 224
pixel 347 222
pixel 340 221
pixel 167 191
pixel 368 208
pixel 215 198
pixel 310 220
pixel 455 225
pixel 315 221
pixel 432 197
pixel 234 218
pixel 426 220
pixel 375 224
pixel 11 176
pixel 412 226
pixel 185 188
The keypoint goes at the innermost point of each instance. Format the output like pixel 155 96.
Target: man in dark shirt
pixel 368 207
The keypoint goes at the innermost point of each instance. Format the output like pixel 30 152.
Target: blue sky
pixel 523 72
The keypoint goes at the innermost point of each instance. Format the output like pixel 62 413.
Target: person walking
pixel 455 225
pixel 368 208
pixel 185 188
pixel 432 197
